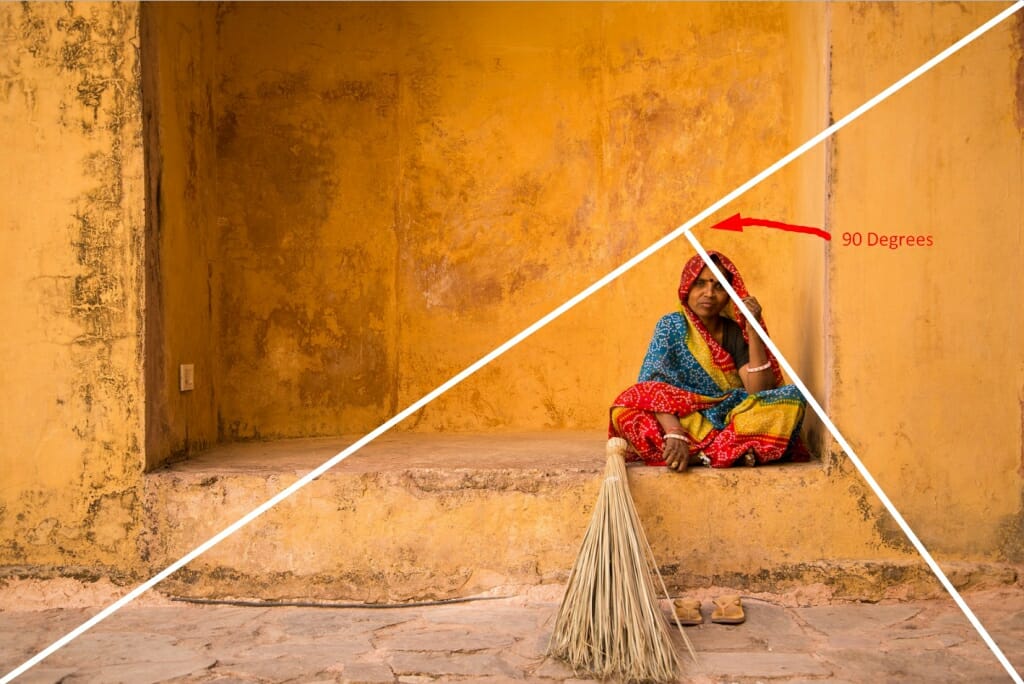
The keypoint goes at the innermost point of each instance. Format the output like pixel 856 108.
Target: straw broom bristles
pixel 610 623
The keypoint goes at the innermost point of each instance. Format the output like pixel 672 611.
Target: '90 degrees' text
pixel 872 239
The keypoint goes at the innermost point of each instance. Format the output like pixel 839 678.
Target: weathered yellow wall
pixel 803 265
pixel 351 202
pixel 521 151
pixel 71 215
pixel 309 186
pixel 558 141
pixel 402 187
pixel 386 214
pixel 183 267
pixel 926 364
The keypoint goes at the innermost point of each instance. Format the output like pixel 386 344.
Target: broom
pixel 610 623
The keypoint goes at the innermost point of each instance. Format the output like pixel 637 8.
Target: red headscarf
pixel 721 357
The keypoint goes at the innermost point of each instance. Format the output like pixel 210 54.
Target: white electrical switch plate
pixel 187 377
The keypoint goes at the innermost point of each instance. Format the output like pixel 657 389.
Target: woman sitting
pixel 708 387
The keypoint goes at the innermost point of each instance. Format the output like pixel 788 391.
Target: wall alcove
pixel 349 203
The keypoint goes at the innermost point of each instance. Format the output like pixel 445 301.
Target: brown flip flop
pixel 728 610
pixel 687 611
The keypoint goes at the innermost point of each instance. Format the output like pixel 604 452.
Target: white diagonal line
pixel 507 345
pixel 875 487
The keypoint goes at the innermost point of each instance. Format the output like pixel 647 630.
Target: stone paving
pixel 504 640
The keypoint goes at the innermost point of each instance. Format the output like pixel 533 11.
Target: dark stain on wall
pixel 638 124
pixel 1020 403
pixel 525 274
pixel 126 500
pixel 227 131
pixel 1011 536
pixel 280 176
pixel 581 221
pixel 33 31
pixel 888 530
pixel 156 393
pixel 303 269
pixel 1011 530
pixel 384 100
pixel 1018 33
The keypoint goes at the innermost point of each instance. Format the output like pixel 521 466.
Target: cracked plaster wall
pixel 71 215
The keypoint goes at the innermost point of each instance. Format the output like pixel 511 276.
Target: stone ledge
pixel 434 516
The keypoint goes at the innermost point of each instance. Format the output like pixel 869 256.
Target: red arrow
pixel 736 223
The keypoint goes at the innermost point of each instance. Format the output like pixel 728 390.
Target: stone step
pixel 418 516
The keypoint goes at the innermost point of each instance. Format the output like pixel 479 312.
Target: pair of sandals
pixel 728 611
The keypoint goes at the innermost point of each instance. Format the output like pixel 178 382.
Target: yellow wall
pixel 399 188
pixel 71 214
pixel 556 143
pixel 182 274
pixel 348 203
pixel 309 186
pixel 927 371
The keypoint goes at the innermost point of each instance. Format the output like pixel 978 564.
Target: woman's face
pixel 707 297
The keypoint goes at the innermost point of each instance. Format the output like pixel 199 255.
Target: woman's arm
pixel 756 380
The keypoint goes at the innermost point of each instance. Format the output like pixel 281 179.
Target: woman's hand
pixel 676 451
pixel 676 454
pixel 754 306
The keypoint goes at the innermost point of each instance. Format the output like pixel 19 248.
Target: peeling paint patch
pixel 890 533
pixel 94 50
pixel 112 517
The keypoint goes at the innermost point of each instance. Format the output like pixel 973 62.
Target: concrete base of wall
pixel 434 516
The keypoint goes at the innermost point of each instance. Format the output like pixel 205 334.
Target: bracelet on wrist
pixel 674 435
pixel 755 369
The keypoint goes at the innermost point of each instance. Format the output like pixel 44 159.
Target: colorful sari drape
pixel 687 373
